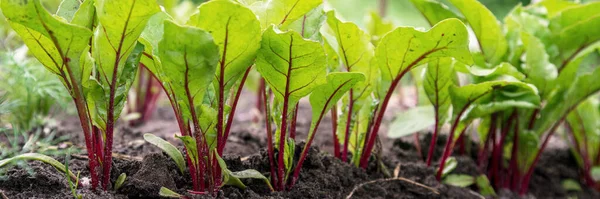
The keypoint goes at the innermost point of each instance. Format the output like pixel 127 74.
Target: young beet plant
pixel 199 65
pixel 92 47
pixel 530 50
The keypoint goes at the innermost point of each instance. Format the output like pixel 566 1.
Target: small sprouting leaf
pixel 486 27
pixel 291 65
pixel 570 185
pixel 42 158
pixel 451 164
pixel 438 77
pixel 282 12
pixel 595 173
pixel 485 188
pixel 167 193
pixel 405 48
pixel 120 180
pixel 167 148
pixel 254 174
pixel 412 121
pixel 459 180
pixel 190 147
pixel 434 11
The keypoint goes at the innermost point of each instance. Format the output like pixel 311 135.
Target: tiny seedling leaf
pixel 485 188
pixel 120 180
pixel 39 157
pixel 167 148
pixel 451 164
pixel 167 193
pixel 570 185
pixel 459 180
pixel 251 173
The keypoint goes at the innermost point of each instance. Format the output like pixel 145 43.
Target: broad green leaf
pixel 120 180
pixel 506 97
pixel 236 31
pixel 310 24
pixel 434 11
pixel 85 15
pixel 39 157
pixel 208 124
pixel 326 95
pixel 438 77
pixel 566 100
pixel 463 97
pixel 168 148
pixel 486 27
pixel 554 7
pixel 501 71
pixel 189 58
pixel 412 121
pixel 355 51
pixel 167 193
pixel 253 174
pixel 228 179
pixel 405 48
pixel 574 29
pixel 190 147
pixel 282 12
pixel 485 188
pixel 43 35
pixel 540 72
pixel 584 124
pixel 291 65
pixel 377 27
pixel 67 9
pixel 459 180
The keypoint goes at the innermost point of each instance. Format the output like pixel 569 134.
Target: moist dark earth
pixel 322 176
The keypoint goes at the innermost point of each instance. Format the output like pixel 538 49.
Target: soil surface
pixel 322 176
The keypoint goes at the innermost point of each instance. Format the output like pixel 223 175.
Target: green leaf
pixel 190 147
pixel 405 48
pixel 40 31
pixel 85 15
pixel 355 52
pixel 168 148
pixel 438 77
pixel 540 72
pixel 571 185
pixel 189 57
pixel 67 9
pixel 39 157
pixel 310 24
pixel 167 193
pixel 459 180
pixel 574 28
pixel 485 188
pixel 236 31
pixel 282 12
pixel 291 65
pixel 486 27
pixel 120 181
pixel 500 71
pixel 554 7
pixel 434 11
pixel 451 164
pixel 596 173
pixel 377 27
pixel 412 121
pixel 254 174
pixel 326 95
pixel 584 123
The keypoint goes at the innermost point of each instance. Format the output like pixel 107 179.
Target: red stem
pixel 483 154
pixel 261 89
pixel 461 141
pixel 233 108
pixel 499 149
pixel 336 142
pixel 418 145
pixel 448 147
pixel 514 159
pixel 348 124
pixel 433 141
pixel 293 127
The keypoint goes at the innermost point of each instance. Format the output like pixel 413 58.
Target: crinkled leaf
pixel 486 27
pixel 189 57
pixel 405 48
pixel 540 72
pixel 500 71
pixel 168 148
pixel 412 121
pixel 291 65
pixel 236 31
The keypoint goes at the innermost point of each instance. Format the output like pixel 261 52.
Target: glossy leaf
pixel 291 65
pixel 168 148
pixel 405 48
pixel 486 27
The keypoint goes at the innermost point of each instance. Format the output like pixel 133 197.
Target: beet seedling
pixel 95 59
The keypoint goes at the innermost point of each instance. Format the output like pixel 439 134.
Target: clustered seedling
pixel 524 81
